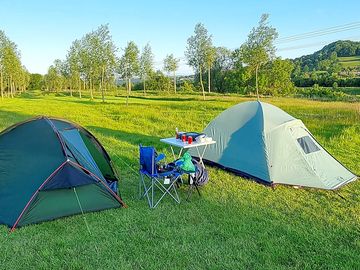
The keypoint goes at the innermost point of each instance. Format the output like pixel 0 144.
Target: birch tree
pixel 171 64
pixel 259 47
pixel 146 64
pixel 129 65
pixel 197 47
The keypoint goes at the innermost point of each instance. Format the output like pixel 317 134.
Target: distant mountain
pixel 329 55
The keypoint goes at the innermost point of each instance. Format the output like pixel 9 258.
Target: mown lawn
pixel 236 224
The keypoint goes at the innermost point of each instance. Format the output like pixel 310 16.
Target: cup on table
pixel 190 140
pixel 183 137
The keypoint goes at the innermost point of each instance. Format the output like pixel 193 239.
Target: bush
pixel 335 86
pixel 324 93
pixel 187 87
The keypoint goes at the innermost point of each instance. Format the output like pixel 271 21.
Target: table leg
pixel 201 155
pixel 181 149
pixel 172 151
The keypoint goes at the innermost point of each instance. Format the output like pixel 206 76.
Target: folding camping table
pixel 173 142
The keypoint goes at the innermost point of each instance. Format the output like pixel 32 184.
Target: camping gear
pixel 197 178
pixel 201 176
pixel 185 163
pixel 161 178
pixel 50 168
pixel 199 147
pixel 260 141
pixel 185 135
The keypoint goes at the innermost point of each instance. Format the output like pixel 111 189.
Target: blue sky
pixel 44 30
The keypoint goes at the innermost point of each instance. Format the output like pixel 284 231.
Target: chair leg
pixel 152 193
pixel 168 190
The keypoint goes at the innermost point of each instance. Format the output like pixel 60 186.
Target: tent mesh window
pixel 308 145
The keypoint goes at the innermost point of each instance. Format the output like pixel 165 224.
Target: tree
pixel 13 75
pixel 259 47
pixel 210 55
pixel 278 73
pixel 105 49
pixel 36 81
pixel 146 64
pixel 54 79
pixel 129 65
pixel 223 63
pixel 196 50
pixel 91 60
pixel 171 64
pixel 73 59
pixel 159 82
pixel 98 58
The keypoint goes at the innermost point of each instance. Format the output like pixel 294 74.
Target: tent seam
pixel 57 134
pixel 266 145
pixel 106 186
pixel 35 193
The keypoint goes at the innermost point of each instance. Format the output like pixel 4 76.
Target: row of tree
pixel 13 76
pixel 92 63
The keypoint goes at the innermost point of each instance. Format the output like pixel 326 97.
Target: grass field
pixel 236 224
pixel 350 61
pixel 355 91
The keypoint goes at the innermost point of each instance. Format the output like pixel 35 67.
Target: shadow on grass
pixel 129 137
pixel 10 118
pixel 162 98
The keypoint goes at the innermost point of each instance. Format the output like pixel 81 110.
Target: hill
pixel 336 55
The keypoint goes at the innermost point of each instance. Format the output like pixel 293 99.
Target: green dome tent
pixel 260 141
pixel 50 168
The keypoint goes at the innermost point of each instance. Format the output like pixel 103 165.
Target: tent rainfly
pixel 50 168
pixel 260 141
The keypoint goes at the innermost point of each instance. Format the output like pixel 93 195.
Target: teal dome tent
pixel 50 168
pixel 263 142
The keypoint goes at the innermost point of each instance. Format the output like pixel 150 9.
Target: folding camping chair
pixel 161 180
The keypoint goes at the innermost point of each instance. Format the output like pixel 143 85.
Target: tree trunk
pixel 175 81
pixel 129 84
pixel 102 85
pixel 201 83
pixel 144 86
pixel 79 85
pixel 209 85
pixel 12 89
pixel 71 87
pixel 91 90
pixel 1 86
pixel 256 80
pixel 128 91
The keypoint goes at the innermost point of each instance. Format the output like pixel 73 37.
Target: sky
pixel 44 30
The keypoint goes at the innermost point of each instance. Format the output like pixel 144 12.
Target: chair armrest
pixel 160 157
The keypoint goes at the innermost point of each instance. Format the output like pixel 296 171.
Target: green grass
pixel 350 61
pixel 355 91
pixel 236 224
